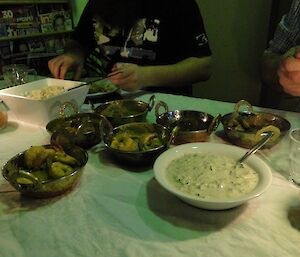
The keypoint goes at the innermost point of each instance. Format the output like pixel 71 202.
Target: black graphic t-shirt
pixel 166 32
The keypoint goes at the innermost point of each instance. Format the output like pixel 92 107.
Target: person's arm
pixel 280 63
pixel 188 71
pixel 132 77
pixel 81 43
pixel 283 70
pixel 73 58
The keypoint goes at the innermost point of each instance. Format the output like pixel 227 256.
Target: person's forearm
pixel 188 71
pixel 270 64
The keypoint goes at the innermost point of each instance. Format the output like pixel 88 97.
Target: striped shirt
pixel 287 34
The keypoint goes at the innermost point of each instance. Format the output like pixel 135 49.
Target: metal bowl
pixel 14 172
pixel 193 126
pixel 82 129
pixel 245 128
pixel 120 112
pixel 141 157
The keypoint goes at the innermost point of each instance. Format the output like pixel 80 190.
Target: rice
pixel 44 93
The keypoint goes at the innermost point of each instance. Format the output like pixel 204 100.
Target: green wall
pixel 77 7
pixel 238 32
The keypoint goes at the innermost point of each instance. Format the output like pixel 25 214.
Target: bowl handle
pixel 158 106
pixel 24 180
pixel 173 135
pixel 241 103
pixel 214 124
pixel 62 110
pixel 151 102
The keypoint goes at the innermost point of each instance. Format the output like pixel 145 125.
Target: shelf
pixel 21 41
pixel 3 2
pixel 34 35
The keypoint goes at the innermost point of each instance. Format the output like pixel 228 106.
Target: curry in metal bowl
pixel 120 112
pixel 137 142
pixel 45 171
pixel 246 128
pixel 192 126
pixel 81 129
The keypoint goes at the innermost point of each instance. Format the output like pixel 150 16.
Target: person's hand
pixel 127 76
pixel 289 72
pixel 60 65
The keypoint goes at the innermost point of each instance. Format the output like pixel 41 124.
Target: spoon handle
pixel 267 135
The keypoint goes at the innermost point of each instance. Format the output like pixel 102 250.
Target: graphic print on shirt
pixel 151 32
pixel 132 44
pixel 138 31
pixel 201 39
pixel 103 32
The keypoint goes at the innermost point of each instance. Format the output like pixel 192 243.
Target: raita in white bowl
pixel 207 175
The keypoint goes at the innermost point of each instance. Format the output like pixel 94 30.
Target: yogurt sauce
pixel 211 176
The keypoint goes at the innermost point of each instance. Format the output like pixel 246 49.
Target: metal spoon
pixel 267 135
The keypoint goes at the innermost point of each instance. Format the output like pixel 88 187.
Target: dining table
pixel 118 209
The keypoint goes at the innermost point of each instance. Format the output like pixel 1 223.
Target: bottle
pixel 3 115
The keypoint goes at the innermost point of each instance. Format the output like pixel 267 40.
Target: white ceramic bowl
pixel 256 163
pixel 40 112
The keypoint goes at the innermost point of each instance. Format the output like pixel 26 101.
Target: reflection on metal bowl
pixel 124 111
pixel 14 171
pixel 245 128
pixel 141 157
pixel 193 126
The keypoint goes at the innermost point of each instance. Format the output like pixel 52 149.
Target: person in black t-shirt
pixel 150 44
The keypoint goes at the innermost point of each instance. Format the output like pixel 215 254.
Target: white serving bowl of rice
pixel 39 102
pixel 191 173
pixel 44 93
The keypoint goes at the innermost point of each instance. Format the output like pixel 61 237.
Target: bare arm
pixel 132 77
pixel 188 71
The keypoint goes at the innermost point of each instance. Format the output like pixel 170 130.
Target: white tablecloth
pixel 118 210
